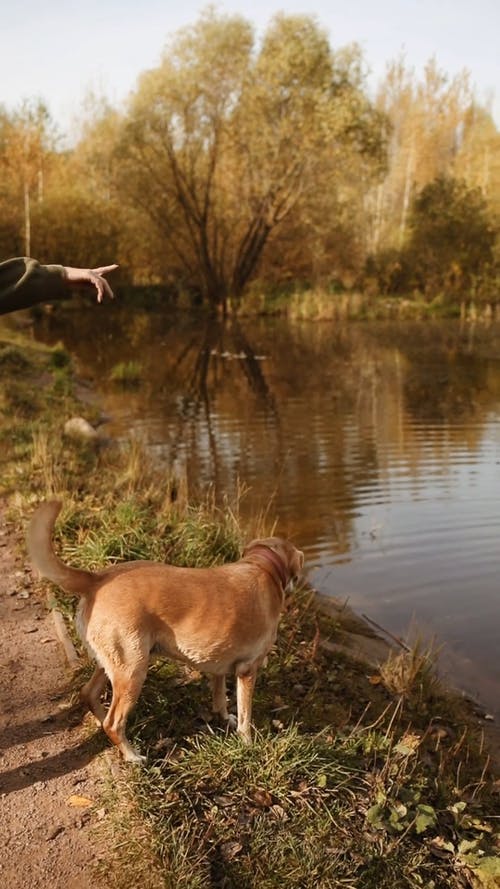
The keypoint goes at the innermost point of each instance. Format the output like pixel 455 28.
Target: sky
pixel 60 50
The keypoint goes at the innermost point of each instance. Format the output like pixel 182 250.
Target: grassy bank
pixel 323 304
pixel 359 777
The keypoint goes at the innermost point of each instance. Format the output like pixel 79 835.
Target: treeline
pixel 238 163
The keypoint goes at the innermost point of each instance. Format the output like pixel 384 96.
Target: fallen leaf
pixel 408 744
pixel 375 680
pixel 441 847
pixel 224 801
pixel 262 798
pixel 230 849
pixel 80 801
pixel 279 812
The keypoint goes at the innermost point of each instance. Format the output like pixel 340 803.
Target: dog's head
pixel 291 558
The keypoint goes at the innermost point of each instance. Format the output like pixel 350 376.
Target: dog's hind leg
pixel 127 684
pixel 245 684
pixel 219 699
pixel 91 693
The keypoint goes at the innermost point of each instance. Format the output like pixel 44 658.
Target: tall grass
pixel 323 305
pixel 45 462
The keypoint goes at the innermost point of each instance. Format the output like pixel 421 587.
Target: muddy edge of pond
pixel 358 640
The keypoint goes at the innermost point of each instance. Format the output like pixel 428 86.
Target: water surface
pixel 378 442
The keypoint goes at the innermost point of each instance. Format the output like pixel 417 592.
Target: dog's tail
pixel 43 557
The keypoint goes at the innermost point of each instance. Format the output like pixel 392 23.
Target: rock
pixel 78 427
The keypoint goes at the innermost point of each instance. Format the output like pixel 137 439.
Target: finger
pixel 106 289
pixel 103 288
pixel 98 283
pixel 105 269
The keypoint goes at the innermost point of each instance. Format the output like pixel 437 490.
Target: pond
pixel 375 444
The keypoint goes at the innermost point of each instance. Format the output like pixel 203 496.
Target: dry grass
pixel 412 672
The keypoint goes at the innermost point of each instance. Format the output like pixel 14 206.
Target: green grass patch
pixel 13 360
pixel 344 809
pixel 126 373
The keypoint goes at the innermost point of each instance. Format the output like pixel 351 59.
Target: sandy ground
pixel 50 775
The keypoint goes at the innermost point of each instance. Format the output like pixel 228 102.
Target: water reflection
pixel 378 442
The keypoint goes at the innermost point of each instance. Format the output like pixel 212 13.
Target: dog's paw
pixel 231 722
pixel 135 757
pixel 246 738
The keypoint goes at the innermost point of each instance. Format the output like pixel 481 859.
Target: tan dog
pixel 217 620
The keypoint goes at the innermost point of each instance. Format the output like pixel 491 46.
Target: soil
pixel 50 775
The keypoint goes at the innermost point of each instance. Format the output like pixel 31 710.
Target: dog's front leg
pixel 219 700
pixel 245 684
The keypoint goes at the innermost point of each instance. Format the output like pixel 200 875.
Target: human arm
pixel 24 282
pixel 91 278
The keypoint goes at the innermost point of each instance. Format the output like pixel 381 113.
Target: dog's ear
pixel 270 542
pixel 248 547
pixel 297 562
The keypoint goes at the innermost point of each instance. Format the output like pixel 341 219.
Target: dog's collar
pixel 266 554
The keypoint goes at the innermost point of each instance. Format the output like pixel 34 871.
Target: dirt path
pixel 47 755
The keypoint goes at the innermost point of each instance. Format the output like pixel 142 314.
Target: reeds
pixel 126 373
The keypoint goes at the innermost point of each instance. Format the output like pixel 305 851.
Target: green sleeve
pixel 24 282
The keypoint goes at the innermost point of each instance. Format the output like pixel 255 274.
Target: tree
pixel 222 142
pixel 28 139
pixel 478 158
pixel 426 118
pixel 452 238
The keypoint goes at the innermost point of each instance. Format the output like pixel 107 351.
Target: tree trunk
pixel 407 192
pixel 27 220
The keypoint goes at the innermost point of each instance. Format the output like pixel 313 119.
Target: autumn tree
pixel 81 217
pixel 224 140
pixel 426 119
pixel 478 157
pixel 452 238
pixel 11 241
pixel 27 141
pixel 323 238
